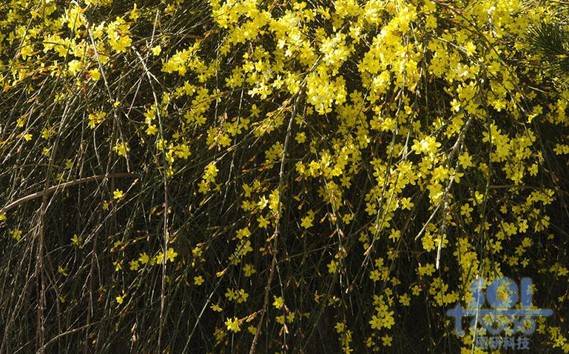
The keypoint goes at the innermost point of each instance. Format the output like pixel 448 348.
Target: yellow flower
pixel 216 308
pixel 428 145
pixel 16 234
pixel 307 221
pixel 243 233
pixel 171 255
pixel 198 280
pixel 465 210
pixel 134 265
pixel 118 33
pixel 121 149
pixel 470 48
pixel 156 50
pixel 144 258
pixel 375 322
pixel 74 67
pixel 134 13
pixel 118 194
pixel 465 160
pixel 406 203
pixel 278 303
pixel 95 119
pixel 151 129
pixel 232 324
pixel 332 267
pixel 76 241
pixel 249 270
pixel 95 74
pixel 300 137
pixel 263 222
pixel 61 270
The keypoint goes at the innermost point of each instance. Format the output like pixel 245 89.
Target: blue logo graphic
pixel 502 296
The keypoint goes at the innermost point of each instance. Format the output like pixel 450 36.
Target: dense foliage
pixel 277 176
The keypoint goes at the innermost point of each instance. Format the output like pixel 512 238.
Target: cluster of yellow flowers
pixel 314 142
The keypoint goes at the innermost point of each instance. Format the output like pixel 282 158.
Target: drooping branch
pixel 63 186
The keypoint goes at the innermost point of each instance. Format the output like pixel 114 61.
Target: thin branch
pixel 62 186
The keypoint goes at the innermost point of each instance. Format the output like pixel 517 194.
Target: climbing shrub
pixel 276 176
